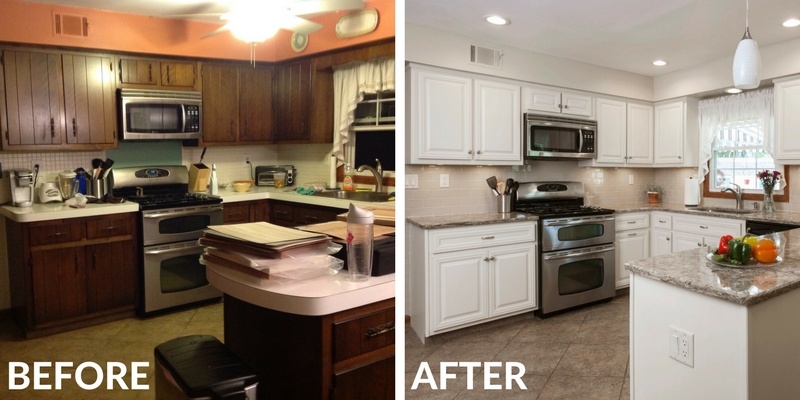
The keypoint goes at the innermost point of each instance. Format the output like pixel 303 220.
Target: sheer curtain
pixel 754 106
pixel 350 82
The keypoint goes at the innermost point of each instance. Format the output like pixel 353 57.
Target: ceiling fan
pixel 254 21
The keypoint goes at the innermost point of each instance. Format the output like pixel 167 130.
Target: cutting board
pixel 338 229
pixel 383 216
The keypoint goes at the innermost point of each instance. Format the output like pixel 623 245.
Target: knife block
pixel 198 177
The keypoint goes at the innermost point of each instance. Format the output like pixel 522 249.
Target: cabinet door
pixel 59 284
pixel 686 241
pixel 458 287
pixel 34 99
pixel 576 104
pixel 371 381
pixel 138 71
pixel 294 94
pixel 497 122
pixel 111 279
pixel 220 104
pixel 178 74
pixel 513 280
pixel 630 245
pixel 441 117
pixel 661 242
pixel 787 119
pixel 669 133
pixel 321 119
pixel 640 134
pixel 542 99
pixel 89 99
pixel 236 213
pixel 611 131
pixel 256 104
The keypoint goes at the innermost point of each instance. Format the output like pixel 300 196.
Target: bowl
pixel 242 186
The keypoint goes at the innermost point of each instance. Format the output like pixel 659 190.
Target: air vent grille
pixel 485 56
pixel 69 25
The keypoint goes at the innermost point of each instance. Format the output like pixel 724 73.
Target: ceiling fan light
pixel 747 64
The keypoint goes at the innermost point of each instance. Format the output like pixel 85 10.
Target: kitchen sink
pixel 724 210
pixel 357 196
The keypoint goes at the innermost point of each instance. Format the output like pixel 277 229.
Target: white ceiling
pixel 621 34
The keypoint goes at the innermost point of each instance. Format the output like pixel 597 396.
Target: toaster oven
pixel 265 174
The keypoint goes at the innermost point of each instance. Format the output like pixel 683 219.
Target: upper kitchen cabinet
pixel 459 118
pixel 293 92
pixel 624 134
pixel 57 101
pixel 237 104
pixel 537 98
pixel 157 74
pixel 677 132
pixel 787 120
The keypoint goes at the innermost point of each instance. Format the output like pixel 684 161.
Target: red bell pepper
pixel 723 244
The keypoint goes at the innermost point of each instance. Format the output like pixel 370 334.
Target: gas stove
pixel 157 187
pixel 150 202
pixel 555 199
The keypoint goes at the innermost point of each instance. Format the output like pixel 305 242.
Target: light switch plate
pixel 412 181
pixel 444 180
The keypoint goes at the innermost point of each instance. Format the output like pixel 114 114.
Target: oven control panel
pixel 152 173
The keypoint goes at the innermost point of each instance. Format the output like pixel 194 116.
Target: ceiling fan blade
pixel 299 25
pixel 312 7
pixel 217 31
pixel 202 16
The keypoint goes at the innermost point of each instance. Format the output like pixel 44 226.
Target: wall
pixel 31 23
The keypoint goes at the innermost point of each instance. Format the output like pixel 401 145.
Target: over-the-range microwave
pixel 558 137
pixel 159 114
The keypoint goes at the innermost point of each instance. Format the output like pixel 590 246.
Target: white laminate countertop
pixel 53 211
pixel 322 295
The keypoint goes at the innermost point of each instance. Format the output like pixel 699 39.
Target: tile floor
pixel 127 340
pixel 581 354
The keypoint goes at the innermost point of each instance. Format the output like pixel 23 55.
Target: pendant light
pixel 747 59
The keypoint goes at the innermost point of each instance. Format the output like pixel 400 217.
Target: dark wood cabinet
pixel 345 355
pixel 256 104
pixel 67 274
pixel 89 94
pixel 290 214
pixel 293 91
pixel 220 105
pixel 245 211
pixel 157 74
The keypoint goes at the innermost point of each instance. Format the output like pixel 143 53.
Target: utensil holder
pixel 198 177
pixel 99 188
pixel 504 203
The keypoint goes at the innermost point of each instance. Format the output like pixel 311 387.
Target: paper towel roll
pixel 691 192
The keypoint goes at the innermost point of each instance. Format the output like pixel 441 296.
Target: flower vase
pixel 769 203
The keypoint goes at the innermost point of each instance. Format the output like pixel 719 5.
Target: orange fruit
pixel 765 251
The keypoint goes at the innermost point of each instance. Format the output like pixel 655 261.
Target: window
pixel 373 131
pixel 738 155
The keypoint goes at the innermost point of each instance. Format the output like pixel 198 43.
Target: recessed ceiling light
pixel 497 20
pixel 733 90
pixel 660 63
pixel 791 22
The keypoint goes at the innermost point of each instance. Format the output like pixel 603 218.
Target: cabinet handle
pixel 486 259
pixel 632 234
pixel 150 72
pixel 703 227
pixel 56 234
pixel 74 128
pixel 380 330
pixel 699 245
pixel 52 128
pixel 312 218
pixel 487 237
pixel 491 258
pixel 120 71
pixel 661 221
pixel 631 222
pixel 168 80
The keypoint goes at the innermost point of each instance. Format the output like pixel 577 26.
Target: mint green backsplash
pixel 141 153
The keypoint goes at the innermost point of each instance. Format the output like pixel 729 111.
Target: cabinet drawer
pixel 282 214
pixel 628 221
pixel 112 225
pixel 707 226
pixel 363 334
pixel 660 220
pixel 236 213
pixel 53 232
pixel 451 239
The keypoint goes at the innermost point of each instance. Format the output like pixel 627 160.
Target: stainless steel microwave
pixel 558 137
pixel 160 114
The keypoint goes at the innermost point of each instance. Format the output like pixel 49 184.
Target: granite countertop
pixel 779 216
pixel 748 286
pixel 449 221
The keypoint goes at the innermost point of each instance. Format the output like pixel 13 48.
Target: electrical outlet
pixel 412 181
pixel 681 346
pixel 444 180
pixel 246 158
pixel 34 163
pixel 630 179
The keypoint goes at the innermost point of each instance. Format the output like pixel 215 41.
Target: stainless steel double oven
pixel 172 220
pixel 576 246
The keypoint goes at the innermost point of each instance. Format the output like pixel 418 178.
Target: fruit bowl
pixel 766 251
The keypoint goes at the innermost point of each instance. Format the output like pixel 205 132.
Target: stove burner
pixel 557 210
pixel 165 200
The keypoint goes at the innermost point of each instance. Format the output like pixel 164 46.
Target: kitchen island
pixel 322 338
pixel 740 326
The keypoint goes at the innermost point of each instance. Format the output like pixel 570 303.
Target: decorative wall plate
pixel 357 23
pixel 299 41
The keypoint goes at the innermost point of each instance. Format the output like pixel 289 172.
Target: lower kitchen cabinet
pixel 345 355
pixel 632 242
pixel 71 273
pixel 285 213
pixel 464 276
pixel 245 211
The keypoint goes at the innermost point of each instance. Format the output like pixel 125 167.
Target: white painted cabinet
pixel 632 242
pixel 660 233
pixel 787 121
pixel 624 134
pixel 460 118
pixel 537 98
pixel 464 276
pixel 690 231
pixel 676 134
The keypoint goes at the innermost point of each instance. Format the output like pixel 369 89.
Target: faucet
pixel 378 172
pixel 737 193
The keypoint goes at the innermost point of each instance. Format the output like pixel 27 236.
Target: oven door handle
pixel 173 214
pixel 170 250
pixel 578 221
pixel 561 255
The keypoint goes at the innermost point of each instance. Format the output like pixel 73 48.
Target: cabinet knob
pixel 469 151
pixel 491 258
pixel 699 245
pixel 486 259
pixel 679 157
pixel 668 239
pixel 566 106
pixel 478 152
